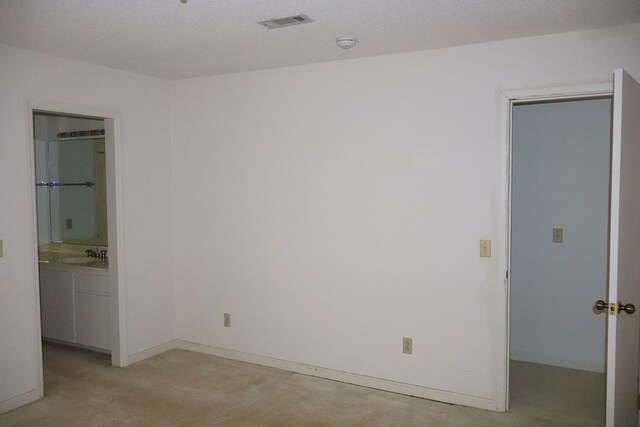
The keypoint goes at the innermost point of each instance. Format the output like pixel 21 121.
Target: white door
pixel 624 255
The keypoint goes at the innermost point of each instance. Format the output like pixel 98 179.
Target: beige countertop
pixel 72 259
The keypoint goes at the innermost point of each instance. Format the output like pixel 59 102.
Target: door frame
pixel 115 222
pixel 508 99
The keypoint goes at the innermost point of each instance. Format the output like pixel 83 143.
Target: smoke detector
pixel 286 21
pixel 346 42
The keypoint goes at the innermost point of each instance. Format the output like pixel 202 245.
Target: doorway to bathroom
pixel 75 218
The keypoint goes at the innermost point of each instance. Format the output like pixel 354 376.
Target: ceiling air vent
pixel 287 21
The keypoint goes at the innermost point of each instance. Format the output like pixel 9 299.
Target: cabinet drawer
pixel 91 283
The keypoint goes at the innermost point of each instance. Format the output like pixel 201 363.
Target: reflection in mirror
pixel 71 182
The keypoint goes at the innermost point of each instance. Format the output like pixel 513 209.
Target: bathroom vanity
pixel 74 302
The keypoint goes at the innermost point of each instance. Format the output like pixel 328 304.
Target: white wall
pixel 561 155
pixel 143 107
pixel 334 208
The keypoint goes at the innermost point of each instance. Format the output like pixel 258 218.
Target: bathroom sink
pixel 72 259
pixel 77 260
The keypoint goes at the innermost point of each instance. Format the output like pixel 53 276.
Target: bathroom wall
pixel 333 209
pixel 142 105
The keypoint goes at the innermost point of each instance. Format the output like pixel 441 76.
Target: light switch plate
pixel 407 345
pixel 485 248
pixel 557 235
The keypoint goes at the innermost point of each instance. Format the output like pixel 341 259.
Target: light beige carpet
pixel 181 388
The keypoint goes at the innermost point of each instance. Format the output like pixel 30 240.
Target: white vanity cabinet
pixel 91 295
pixel 56 303
pixel 74 305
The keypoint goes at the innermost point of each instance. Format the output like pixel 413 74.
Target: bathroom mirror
pixel 71 183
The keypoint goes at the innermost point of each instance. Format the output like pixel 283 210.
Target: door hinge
pixel 507 274
pixel 613 309
pixel 639 402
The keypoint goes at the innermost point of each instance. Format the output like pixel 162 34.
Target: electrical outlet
pixel 69 223
pixel 407 345
pixel 485 248
pixel 1 250
pixel 227 320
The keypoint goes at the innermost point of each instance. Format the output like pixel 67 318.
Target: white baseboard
pixel 150 352
pixel 18 401
pixel 73 344
pixel 345 377
pixel 300 368
pixel 525 356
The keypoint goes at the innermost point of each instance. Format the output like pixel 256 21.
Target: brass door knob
pixel 627 308
pixel 600 305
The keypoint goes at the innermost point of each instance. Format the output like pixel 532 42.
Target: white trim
pixel 557 93
pixel 116 225
pixel 151 352
pixel 20 400
pixel 583 365
pixel 346 377
pixel 315 371
pixel 509 98
pixel 38 393
pixel 115 231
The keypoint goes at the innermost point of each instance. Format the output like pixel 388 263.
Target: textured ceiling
pixel 168 39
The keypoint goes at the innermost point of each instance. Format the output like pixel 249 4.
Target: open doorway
pixel 560 176
pixel 75 215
